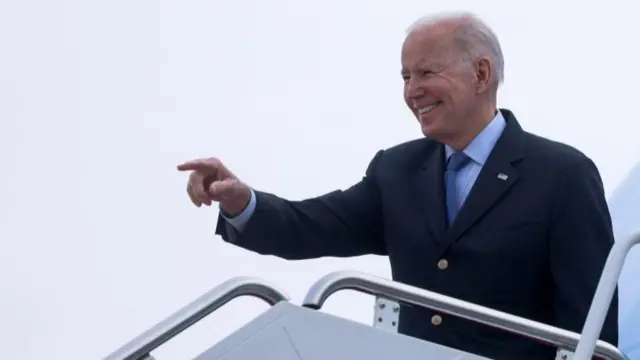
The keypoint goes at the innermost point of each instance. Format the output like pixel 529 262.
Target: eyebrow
pixel 424 65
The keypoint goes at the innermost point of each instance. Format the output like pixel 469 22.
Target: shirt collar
pixel 480 147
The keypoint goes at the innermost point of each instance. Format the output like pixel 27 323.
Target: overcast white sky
pixel 100 100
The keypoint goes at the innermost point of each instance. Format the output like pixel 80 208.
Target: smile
pixel 428 109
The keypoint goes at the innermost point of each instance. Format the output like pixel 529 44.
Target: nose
pixel 413 89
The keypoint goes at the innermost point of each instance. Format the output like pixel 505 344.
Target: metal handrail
pixel 140 347
pixel 604 293
pixel 373 285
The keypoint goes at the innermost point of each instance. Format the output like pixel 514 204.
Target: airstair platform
pixel 287 331
pixel 291 332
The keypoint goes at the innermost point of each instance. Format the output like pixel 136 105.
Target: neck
pixel 481 118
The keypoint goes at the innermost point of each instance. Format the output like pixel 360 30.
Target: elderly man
pixel 480 209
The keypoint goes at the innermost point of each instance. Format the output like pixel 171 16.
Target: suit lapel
pixel 428 185
pixel 496 177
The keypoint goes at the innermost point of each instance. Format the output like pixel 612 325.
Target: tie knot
pixel 457 161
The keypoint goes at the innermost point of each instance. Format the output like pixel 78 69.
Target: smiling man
pixel 477 209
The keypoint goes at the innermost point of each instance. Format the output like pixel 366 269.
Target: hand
pixel 211 181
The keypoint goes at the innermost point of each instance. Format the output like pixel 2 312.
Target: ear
pixel 484 74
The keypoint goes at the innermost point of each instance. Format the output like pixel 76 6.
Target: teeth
pixel 428 109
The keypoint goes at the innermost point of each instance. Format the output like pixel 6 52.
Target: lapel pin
pixel 503 176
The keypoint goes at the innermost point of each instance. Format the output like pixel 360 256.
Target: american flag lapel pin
pixel 503 176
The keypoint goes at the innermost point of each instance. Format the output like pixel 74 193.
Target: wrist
pixel 231 209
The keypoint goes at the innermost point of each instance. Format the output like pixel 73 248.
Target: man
pixel 479 210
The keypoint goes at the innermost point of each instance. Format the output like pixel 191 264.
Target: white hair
pixel 474 37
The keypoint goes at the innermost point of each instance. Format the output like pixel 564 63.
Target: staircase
pixel 293 332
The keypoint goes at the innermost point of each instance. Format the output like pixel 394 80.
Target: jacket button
pixel 443 264
pixel 436 320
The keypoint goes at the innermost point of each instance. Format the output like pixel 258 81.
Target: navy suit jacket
pixel 532 244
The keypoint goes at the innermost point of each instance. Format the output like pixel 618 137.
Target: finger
pixel 197 186
pixel 202 165
pixel 193 198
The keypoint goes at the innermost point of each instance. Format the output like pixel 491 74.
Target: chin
pixel 433 125
pixel 430 129
pixel 434 132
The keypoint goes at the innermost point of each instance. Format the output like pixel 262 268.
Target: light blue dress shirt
pixel 478 150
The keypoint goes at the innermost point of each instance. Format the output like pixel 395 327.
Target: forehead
pixel 429 45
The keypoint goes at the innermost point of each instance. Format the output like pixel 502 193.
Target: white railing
pixel 140 347
pixel 321 290
pixel 603 296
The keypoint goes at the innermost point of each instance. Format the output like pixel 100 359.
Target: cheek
pixel 438 89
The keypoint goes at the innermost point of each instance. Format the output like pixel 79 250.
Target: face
pixel 440 88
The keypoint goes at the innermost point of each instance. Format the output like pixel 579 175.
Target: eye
pixel 421 73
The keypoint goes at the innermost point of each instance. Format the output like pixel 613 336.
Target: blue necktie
pixel 456 162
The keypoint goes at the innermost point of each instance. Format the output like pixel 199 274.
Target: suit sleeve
pixel 581 238
pixel 339 224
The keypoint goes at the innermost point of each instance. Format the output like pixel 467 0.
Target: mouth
pixel 425 110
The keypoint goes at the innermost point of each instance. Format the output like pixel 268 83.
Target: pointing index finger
pixel 202 165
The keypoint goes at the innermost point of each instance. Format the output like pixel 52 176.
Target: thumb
pixel 224 189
